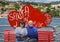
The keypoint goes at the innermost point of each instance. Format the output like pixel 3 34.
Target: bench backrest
pixel 45 36
pixel 9 36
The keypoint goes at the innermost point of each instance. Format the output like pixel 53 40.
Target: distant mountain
pixel 57 2
pixel 38 1
pixel 41 1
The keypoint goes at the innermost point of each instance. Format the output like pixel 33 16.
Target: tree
pixel 48 9
pixel 17 6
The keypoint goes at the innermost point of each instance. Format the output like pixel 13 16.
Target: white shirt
pixel 22 31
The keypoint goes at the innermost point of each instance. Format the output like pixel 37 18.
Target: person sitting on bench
pixel 21 32
pixel 32 32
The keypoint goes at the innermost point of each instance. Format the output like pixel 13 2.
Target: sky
pixel 36 0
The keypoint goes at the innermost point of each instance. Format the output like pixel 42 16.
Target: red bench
pixel 45 36
pixel 9 36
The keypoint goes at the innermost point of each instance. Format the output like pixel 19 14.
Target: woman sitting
pixel 21 32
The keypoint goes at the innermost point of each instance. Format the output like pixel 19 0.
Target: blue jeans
pixel 17 40
pixel 33 40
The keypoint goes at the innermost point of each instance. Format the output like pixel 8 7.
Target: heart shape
pixel 28 12
pixel 48 18
pixel 14 18
pixel 37 17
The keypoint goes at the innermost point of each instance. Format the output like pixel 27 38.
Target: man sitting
pixel 32 32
